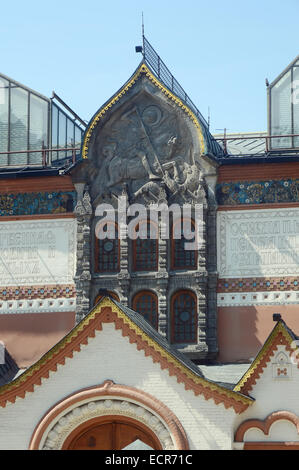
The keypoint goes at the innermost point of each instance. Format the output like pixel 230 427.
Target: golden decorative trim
pixel 143 69
pixel 230 398
pixel 256 364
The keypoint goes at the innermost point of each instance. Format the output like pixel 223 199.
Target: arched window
pixel 146 303
pixel 184 317
pixel 145 250
pixel 182 258
pixel 103 293
pixel 107 249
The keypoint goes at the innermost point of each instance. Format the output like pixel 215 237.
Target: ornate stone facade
pixel 147 147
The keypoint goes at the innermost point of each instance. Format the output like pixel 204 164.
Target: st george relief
pixel 146 149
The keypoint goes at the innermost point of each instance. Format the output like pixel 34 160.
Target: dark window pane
pixel 4 91
pixel 70 136
pixel 184 318
pixel 146 303
pixel 62 134
pixel 38 132
pixel 281 114
pixel 182 258
pixel 107 254
pixel 18 125
pixel 146 252
pixel 54 132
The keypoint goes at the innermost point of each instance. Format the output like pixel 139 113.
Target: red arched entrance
pixel 110 433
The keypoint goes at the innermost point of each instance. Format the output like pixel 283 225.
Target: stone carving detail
pixel 82 278
pixel 101 407
pixel 281 366
pixel 147 148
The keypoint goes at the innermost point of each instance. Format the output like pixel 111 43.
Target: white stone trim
pixel 17 307
pixel 233 299
pixel 271 235
pixel 52 262
pixel 72 417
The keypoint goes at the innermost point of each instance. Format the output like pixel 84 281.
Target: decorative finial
pixel 142 25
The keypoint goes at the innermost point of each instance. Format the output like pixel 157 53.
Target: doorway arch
pixel 110 433
pixel 150 420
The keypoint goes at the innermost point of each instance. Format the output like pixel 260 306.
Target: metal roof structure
pixel 158 67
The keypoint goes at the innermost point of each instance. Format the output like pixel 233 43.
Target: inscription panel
pixel 41 252
pixel 258 243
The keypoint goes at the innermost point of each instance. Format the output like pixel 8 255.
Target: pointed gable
pixel 148 342
pixel 281 335
pixel 143 71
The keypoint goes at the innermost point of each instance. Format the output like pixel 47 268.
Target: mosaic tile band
pixel 37 292
pixel 258 192
pixel 258 284
pixel 54 202
pixel 243 299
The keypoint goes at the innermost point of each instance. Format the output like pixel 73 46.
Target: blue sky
pixel 220 51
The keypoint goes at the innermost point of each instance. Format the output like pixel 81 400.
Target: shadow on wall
pixel 242 331
pixel 239 338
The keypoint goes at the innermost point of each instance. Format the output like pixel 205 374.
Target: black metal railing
pixel 161 70
pixel 68 156
pixel 260 144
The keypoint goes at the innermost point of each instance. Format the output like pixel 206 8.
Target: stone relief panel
pixel 258 243
pixel 148 147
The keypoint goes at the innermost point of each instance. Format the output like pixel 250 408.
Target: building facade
pixel 62 283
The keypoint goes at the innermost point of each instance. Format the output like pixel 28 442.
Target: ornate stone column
pixel 83 211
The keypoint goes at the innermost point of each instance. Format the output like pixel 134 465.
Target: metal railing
pixel 163 73
pixel 72 154
pixel 269 146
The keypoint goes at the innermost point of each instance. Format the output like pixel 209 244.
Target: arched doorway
pixel 111 433
pixel 136 419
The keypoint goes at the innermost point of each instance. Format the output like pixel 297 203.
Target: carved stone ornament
pixel 149 145
pixel 102 407
pixel 281 366
pixel 108 399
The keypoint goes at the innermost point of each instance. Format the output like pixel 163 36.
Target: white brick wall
pixel 271 395
pixel 111 356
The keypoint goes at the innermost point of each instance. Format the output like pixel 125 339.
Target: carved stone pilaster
pixel 83 211
pixel 212 279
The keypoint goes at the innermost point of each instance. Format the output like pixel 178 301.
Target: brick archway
pixel 264 426
pixel 122 402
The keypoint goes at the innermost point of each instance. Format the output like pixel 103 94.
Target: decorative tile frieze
pixel 235 299
pixel 37 292
pixel 257 192
pixel 258 284
pixel 54 202
pixel 37 305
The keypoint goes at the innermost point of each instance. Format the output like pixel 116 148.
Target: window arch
pixel 146 303
pixel 184 317
pixel 145 250
pixel 180 257
pixel 107 250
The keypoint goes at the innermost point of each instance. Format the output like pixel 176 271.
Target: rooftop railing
pixel 72 155
pixel 259 144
